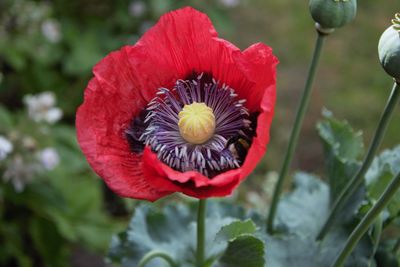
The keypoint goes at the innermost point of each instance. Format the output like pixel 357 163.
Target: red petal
pixel 261 70
pixel 190 183
pixel 259 64
pixel 110 103
pixel 183 41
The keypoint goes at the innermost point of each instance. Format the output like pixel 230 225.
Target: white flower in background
pixel 19 173
pixel 230 3
pixel 53 115
pixel 5 147
pixel 137 8
pixel 41 107
pixel 49 158
pixel 51 30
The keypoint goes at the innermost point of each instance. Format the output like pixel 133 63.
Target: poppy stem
pixel 301 111
pixel 156 254
pixel 358 178
pixel 376 237
pixel 201 226
pixel 367 221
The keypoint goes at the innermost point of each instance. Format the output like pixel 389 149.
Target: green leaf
pixel 342 146
pixel 302 251
pixel 300 216
pixel 235 229
pixel 304 209
pixel 343 140
pixel 245 250
pixel 173 230
pixel 382 171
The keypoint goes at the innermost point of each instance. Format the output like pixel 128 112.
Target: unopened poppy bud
pixel 389 49
pixel 333 13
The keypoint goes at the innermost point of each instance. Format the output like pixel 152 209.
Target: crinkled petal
pixel 190 183
pixel 260 66
pixel 182 42
pixel 101 121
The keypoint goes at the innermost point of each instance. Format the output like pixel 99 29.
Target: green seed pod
pixel 333 13
pixel 389 49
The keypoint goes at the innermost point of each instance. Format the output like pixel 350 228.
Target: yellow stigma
pixel 196 123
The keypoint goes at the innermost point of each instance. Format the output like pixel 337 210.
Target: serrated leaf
pixel 300 216
pixel 382 171
pixel 304 209
pixel 343 140
pixel 302 251
pixel 342 146
pixel 245 250
pixel 172 230
pixel 235 229
pixel 291 250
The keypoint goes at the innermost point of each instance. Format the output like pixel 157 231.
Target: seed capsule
pixel 389 49
pixel 196 123
pixel 333 13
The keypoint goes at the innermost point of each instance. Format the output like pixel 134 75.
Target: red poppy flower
pixel 180 111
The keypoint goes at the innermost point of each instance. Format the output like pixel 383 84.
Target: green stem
pixel 201 226
pixel 376 237
pixel 301 111
pixel 366 222
pixel 358 178
pixel 156 254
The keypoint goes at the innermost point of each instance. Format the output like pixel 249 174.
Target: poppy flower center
pixel 199 125
pixel 196 123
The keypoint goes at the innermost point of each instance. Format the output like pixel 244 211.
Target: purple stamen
pixel 158 127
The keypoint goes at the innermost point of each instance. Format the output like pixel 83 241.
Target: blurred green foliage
pixel 53 45
pixel 56 208
pixel 350 81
